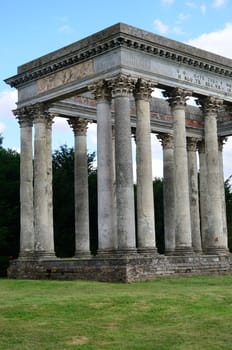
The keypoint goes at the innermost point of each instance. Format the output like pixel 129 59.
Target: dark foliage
pixel 63 201
pixel 228 196
pixel 159 219
pixel 9 206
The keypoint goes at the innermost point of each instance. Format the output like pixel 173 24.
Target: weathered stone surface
pixel 117 60
pixel 125 269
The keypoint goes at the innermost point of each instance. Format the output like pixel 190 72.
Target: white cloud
pixel 178 30
pixel 216 42
pixel 218 3
pixel 8 99
pixel 66 29
pixel 183 17
pixel 61 124
pixel 167 2
pixel 203 9
pixel 92 137
pixel 2 127
pixel 160 26
pixel 191 4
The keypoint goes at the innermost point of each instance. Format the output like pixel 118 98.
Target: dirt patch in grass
pixel 78 341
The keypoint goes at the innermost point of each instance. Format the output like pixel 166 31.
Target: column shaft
pixel 221 141
pixel 82 238
pixel 107 239
pixel 168 192
pixel 183 238
pixel 193 194
pixel 203 194
pixel 44 245
pixel 49 182
pixel 216 243
pixel 145 201
pixel 121 89
pixel 26 184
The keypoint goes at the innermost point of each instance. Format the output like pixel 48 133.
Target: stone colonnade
pixel 188 228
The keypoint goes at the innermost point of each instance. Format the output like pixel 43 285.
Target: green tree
pixel 228 197
pixel 159 219
pixel 63 201
pixel 9 205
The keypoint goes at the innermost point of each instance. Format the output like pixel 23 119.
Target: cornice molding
pixel 116 41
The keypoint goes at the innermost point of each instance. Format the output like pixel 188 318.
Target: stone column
pixel 114 187
pixel 168 192
pixel 193 194
pixel 122 86
pixel 203 194
pixel 177 100
pixel 26 184
pixel 145 202
pixel 216 242
pixel 221 142
pixel 44 244
pixel 107 239
pixel 82 238
pixel 50 117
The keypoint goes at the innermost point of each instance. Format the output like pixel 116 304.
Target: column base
pixel 180 251
pixel 44 255
pixel 106 253
pixel 169 252
pixel 26 255
pixel 147 250
pixel 197 251
pixel 81 254
pixel 126 252
pixel 217 251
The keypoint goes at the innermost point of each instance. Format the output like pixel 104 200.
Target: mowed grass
pixel 167 313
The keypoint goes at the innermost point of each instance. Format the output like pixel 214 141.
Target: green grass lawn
pixel 167 313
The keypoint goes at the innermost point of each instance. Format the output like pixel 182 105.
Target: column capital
pixel 192 144
pixel 166 140
pixel 101 91
pixel 23 116
pixel 210 104
pixel 50 117
pixel 122 85
pixel 177 96
pixel 143 89
pixel 79 125
pixel 221 141
pixel 201 146
pixel 39 111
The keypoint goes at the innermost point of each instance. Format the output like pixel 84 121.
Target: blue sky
pixel 31 28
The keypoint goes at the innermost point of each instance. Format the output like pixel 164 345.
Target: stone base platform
pixel 123 268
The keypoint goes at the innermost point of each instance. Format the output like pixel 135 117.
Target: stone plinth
pixel 122 268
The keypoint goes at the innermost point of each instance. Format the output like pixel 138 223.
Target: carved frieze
pixel 65 76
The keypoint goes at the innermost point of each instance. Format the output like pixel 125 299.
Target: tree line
pixel 63 204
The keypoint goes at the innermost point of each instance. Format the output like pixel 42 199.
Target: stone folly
pixel 108 78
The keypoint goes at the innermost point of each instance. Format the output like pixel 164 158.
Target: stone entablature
pixel 131 50
pixel 122 35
